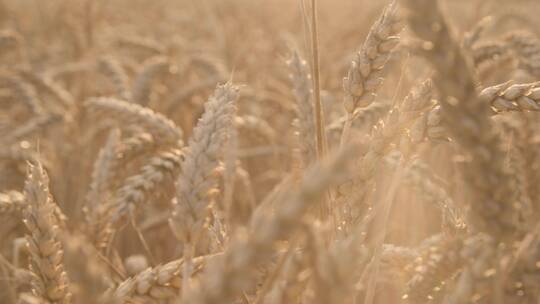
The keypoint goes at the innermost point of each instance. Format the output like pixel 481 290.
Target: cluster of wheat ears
pixel 196 165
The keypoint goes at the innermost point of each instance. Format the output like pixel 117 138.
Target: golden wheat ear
pixel 128 114
pixel 305 119
pixel 50 281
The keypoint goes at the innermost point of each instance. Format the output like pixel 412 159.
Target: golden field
pixel 269 151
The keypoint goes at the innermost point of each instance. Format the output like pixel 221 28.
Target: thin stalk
pixel 379 239
pixel 316 81
pixel 307 27
pixel 272 278
pixel 144 243
pixel 346 129
pixel 319 117
pixel 187 269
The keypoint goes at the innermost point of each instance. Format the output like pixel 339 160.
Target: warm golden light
pixel 269 152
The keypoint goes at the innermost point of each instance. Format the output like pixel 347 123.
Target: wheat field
pixel 269 151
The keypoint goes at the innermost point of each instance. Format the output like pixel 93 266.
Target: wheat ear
pixel 114 70
pixel 468 119
pixel 128 114
pixel 50 282
pixel 438 262
pixel 99 191
pixel 137 187
pixel 30 127
pixel 46 84
pixel 365 74
pixel 158 283
pixel 24 92
pixel 142 85
pixel 195 184
pixel 305 123
pixel 518 97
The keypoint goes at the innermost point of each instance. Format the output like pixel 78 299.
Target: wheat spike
pixel 437 263
pixel 127 114
pixel 469 120
pixel 137 187
pixel 365 72
pixel 50 282
pixel 305 124
pixel 25 92
pixel 142 84
pixel 116 73
pixel 30 127
pixel 46 84
pixel 527 47
pixel 195 184
pixel 99 191
pixel 158 283
pixel 512 97
pixel 383 135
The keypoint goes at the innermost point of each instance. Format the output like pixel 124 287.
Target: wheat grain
pixel 515 97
